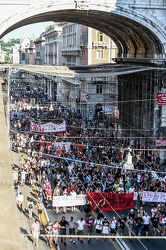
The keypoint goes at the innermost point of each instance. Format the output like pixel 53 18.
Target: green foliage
pixel 7 58
pixel 10 43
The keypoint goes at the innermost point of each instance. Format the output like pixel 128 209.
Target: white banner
pixel 48 127
pixel 154 196
pixel 68 201
pixel 61 144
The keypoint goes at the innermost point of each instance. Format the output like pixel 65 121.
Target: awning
pixel 161 130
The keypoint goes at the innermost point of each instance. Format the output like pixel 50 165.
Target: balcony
pixel 100 44
pixel 83 45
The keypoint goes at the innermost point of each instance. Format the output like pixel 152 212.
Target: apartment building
pixel 71 50
pixel 40 50
pixel 83 45
pixel 96 47
pixel 53 45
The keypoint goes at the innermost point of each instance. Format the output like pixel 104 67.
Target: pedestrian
pixel 146 221
pixel 40 209
pixel 141 211
pixel 16 187
pixel 135 199
pixel 138 221
pixel 48 193
pixel 49 233
pixel 101 205
pixel 35 228
pixel 155 221
pixel 131 214
pixel 20 200
pixel 63 224
pixel 55 232
pixel 98 226
pixel 163 224
pixel 73 193
pixel 30 207
pixel 87 208
pixel 72 224
pixel 154 210
pixel 90 223
pixel 122 224
pixel 23 177
pixel 113 226
pixel 40 195
pixel 80 228
pixel 106 227
pixel 130 225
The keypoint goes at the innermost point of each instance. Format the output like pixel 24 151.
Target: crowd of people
pixel 80 159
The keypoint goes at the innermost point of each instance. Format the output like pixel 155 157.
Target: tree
pixel 7 58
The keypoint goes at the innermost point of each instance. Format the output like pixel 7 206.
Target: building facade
pixel 30 53
pixel 96 47
pixel 83 45
pixel 15 54
pixel 71 51
pixel 40 50
pixel 53 45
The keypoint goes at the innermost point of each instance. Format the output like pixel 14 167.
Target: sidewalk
pixel 24 221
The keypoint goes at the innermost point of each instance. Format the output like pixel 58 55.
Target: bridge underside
pixel 133 39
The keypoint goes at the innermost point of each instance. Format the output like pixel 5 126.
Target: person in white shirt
pixel 113 226
pixel 73 193
pixel 20 200
pixel 131 189
pixel 72 224
pixel 120 189
pixel 23 177
pixel 35 228
pixel 154 210
pixel 146 221
pixel 98 225
pixel 80 229
pixel 139 177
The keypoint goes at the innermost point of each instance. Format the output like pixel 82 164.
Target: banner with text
pixel 47 127
pixel 68 201
pixel 113 201
pixel 154 196
pixel 62 144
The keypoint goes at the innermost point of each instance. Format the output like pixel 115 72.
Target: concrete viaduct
pixel 138 27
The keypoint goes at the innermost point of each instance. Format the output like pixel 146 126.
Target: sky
pixel 29 30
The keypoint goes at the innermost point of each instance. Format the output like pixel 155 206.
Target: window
pixel 99 88
pixel 99 54
pixel 99 36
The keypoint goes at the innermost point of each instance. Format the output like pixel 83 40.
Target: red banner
pixel 113 201
pixel 161 98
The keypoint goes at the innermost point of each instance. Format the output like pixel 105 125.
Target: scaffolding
pixel 137 103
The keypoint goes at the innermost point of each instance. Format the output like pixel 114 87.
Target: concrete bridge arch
pixel 137 27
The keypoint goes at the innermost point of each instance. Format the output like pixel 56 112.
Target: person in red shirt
pixel 47 184
pixel 48 193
